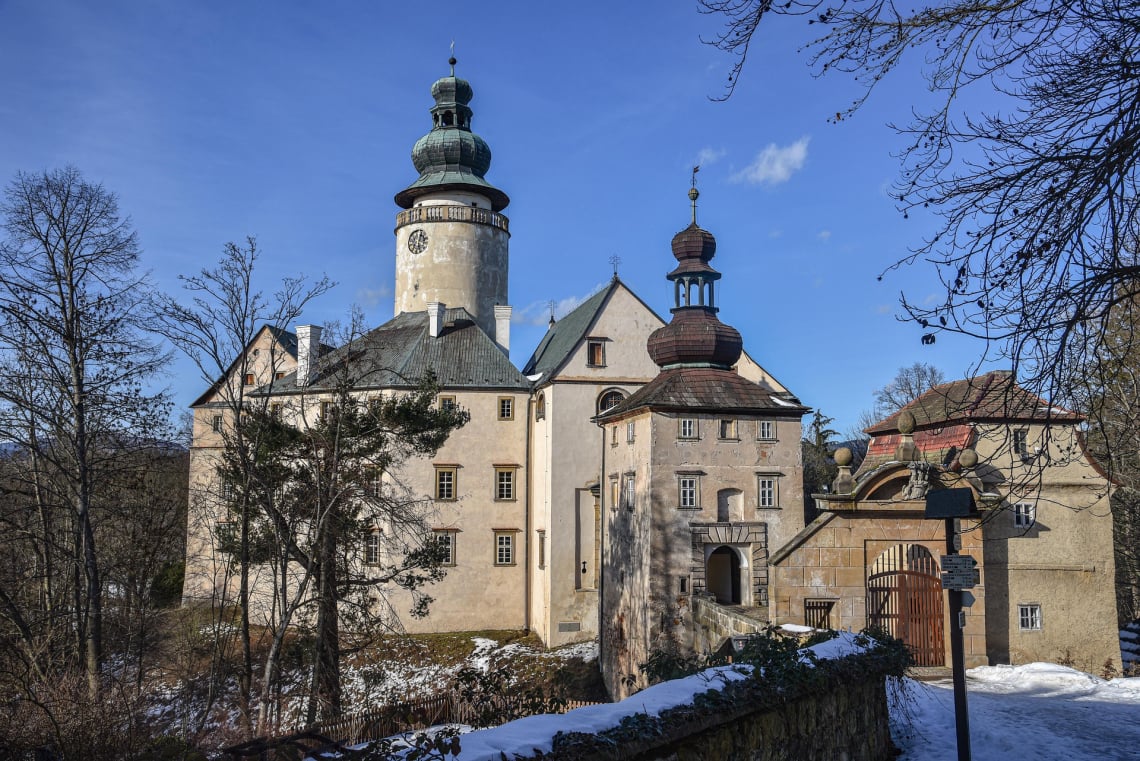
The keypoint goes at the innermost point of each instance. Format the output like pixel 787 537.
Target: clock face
pixel 417 241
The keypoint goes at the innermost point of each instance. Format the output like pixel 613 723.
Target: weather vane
pixel 451 60
pixel 551 305
pixel 693 192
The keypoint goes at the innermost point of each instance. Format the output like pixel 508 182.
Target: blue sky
pixel 294 122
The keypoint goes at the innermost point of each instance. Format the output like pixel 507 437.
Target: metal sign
pixel 958 563
pixel 959 572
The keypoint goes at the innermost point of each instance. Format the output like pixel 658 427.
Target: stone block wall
pixel 846 719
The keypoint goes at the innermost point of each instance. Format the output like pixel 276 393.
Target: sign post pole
pixel 958 651
pixel 959 572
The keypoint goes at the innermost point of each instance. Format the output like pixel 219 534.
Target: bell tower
pixel 451 239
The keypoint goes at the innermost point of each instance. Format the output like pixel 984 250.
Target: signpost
pixel 959 572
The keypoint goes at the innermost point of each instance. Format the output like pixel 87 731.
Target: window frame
pixel 541 554
pixel 216 423
pixel 448 534
pixel 615 491
pixel 1029 617
pixel 497 492
pixel 728 429
pixel 615 394
pixel 453 486
pixel 773 492
pixel 505 408
pixel 540 406
pixel 1020 441
pixel 505 542
pixel 822 607
pixel 1024 515
pixel 248 379
pixel 630 431
pixel 372 546
pixel 446 402
pixel 373 482
pixel 629 490
pixel 695 432
pixel 692 491
pixel 761 425
pixel 596 352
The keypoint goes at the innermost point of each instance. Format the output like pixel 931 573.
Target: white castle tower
pixel 451 240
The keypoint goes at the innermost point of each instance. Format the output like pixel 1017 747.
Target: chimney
pixel 435 310
pixel 308 350
pixel 503 328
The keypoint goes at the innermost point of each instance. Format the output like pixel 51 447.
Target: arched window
pixel 611 398
pixel 540 406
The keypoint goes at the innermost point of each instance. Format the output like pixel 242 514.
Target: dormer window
pixel 596 352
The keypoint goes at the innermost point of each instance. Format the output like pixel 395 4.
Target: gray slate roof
pixel 709 390
pixel 400 352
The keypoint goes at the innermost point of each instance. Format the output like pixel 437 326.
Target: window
pixel 542 548
pixel 216 424
pixel 1029 617
pixel 615 491
pixel 684 584
pixel 445 482
pixel 688 429
pixel 629 430
pixel 446 540
pixel 630 491
pixel 766 430
pixel 609 399
pixel 505 482
pixel 728 429
pixel 504 547
pixel 1024 515
pixel 506 408
pixel 767 493
pixel 228 491
pixel 817 613
pixel 1021 441
pixel 688 497
pixel 372 547
pixel 326 407
pixel 372 482
pixel 278 375
pixel 540 407
pixel 249 379
pixel 596 353
pixel 447 403
pixel 613 435
pixel 275 410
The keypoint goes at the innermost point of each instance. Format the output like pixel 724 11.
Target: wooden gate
pixel 904 598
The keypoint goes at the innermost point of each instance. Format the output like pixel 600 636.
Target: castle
pixel 633 467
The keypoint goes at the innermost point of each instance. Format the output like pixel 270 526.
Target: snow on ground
pixel 525 736
pixel 1038 711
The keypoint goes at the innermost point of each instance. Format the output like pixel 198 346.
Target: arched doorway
pixel 722 574
pixel 904 598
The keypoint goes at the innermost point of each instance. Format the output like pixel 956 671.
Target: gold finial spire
pixel 694 193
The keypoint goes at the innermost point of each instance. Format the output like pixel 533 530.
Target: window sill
pixel 695 508
pixel 769 507
pixel 505 565
pixel 728 438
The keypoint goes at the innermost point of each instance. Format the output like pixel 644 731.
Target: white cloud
pixel 370 297
pixel 538 312
pixel 824 235
pixel 774 164
pixel 885 308
pixel 708 156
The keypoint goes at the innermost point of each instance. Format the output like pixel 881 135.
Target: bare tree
pixel 1037 200
pixel 73 361
pixel 908 384
pixel 215 328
